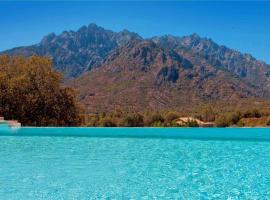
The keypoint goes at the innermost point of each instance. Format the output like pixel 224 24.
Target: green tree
pixel 30 92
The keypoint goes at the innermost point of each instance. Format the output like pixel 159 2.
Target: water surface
pixel 60 167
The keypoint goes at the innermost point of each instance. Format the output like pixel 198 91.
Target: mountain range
pixel 122 70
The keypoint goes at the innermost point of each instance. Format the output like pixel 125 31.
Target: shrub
pixel 207 114
pixel 93 121
pixel 240 124
pixel 133 120
pixel 254 113
pixel 192 123
pixel 233 118
pixel 170 117
pixel 154 119
pixel 222 121
pixel 268 122
pixel 107 122
pixel 158 124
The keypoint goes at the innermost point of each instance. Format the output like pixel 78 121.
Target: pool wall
pixel 190 133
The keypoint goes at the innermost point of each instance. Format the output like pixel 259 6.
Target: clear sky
pixel 244 26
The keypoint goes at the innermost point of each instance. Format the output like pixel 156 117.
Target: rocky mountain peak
pixel 48 38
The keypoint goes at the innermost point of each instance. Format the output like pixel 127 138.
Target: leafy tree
pixel 30 92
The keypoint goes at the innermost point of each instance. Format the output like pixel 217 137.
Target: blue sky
pixel 244 26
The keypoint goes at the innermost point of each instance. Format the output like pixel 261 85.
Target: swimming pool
pixel 70 163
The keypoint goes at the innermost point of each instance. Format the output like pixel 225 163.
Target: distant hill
pixel 122 70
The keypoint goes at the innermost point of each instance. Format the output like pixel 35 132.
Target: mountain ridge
pixel 74 52
pixel 123 70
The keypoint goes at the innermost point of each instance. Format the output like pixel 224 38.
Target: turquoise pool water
pixel 114 164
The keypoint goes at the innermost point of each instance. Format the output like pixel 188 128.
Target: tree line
pixel 132 119
pixel 170 118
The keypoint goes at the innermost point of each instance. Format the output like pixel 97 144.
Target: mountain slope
pixel 122 70
pixel 141 75
pixel 200 49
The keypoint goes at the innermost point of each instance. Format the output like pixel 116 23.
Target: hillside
pixel 142 75
pixel 200 50
pixel 124 71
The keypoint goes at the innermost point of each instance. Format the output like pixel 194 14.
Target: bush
pixel 192 123
pixel 170 117
pixel 107 122
pixel 234 118
pixel 133 120
pixel 222 121
pixel 154 119
pixel 240 124
pixel 268 122
pixel 207 115
pixel 254 113
pixel 92 121
pixel 158 124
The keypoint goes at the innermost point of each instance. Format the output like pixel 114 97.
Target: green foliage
pixel 158 124
pixel 189 123
pixel 30 92
pixel 252 113
pixel 234 118
pixel 207 114
pixel 192 123
pixel 154 120
pixel 92 120
pixel 222 121
pixel 174 124
pixel 268 122
pixel 170 117
pixel 133 120
pixel 240 124
pixel 107 122
pixel 248 118
pixel 125 119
